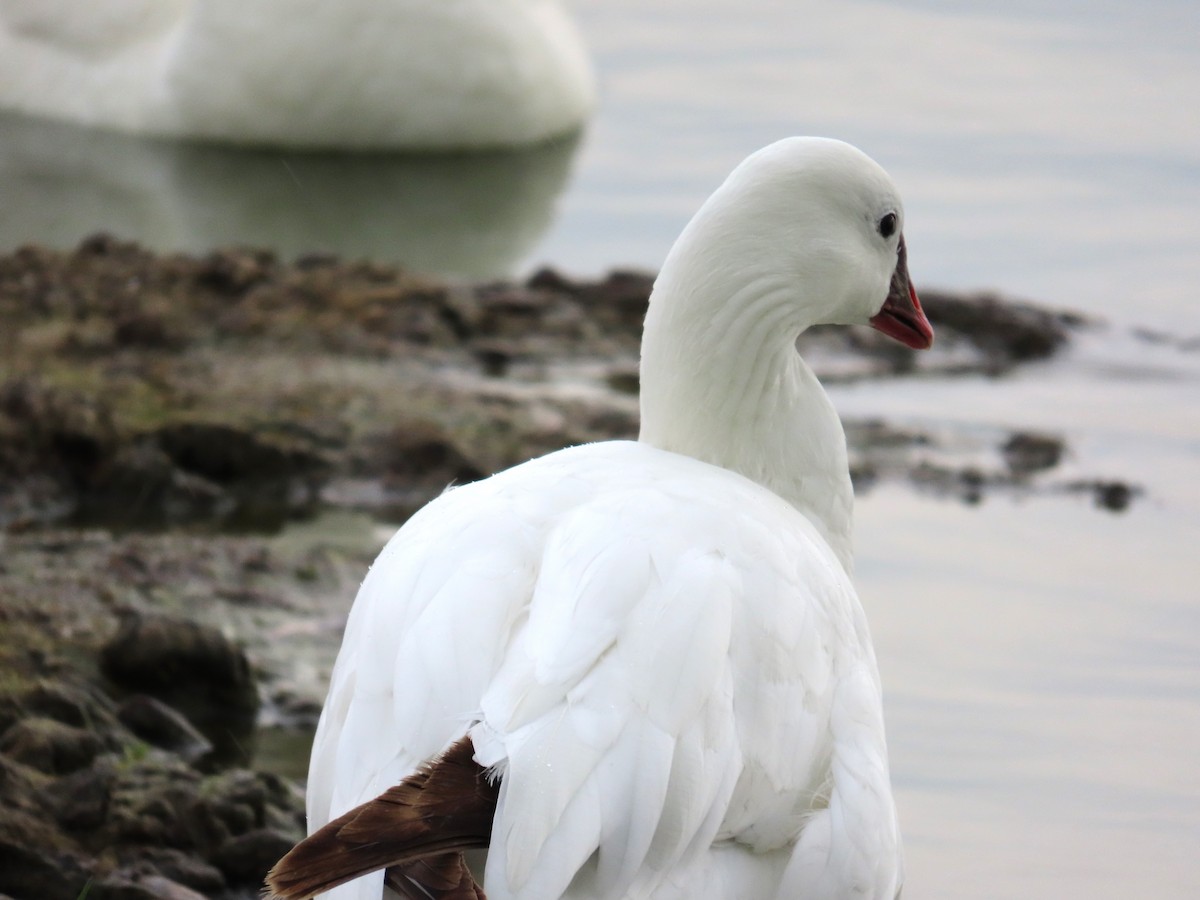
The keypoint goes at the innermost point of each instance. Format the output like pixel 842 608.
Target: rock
pixel 619 300
pixel 148 329
pixel 234 272
pixel 123 479
pixel 168 367
pixel 80 802
pixel 247 858
pixel 1114 495
pixel 158 800
pixel 50 746
pixel 20 790
pixel 189 871
pixel 126 885
pixel 165 656
pixel 245 801
pixel 77 704
pixel 1026 452
pixel 140 825
pixel 967 484
pixel 30 830
pixel 165 494
pixel 269 476
pixel 41 873
pixel 50 429
pixel 240 787
pixel 1007 331
pixel 189 666
pixel 548 279
pixel 421 453
pixel 625 380
pixel 495 356
pixel 226 454
pixel 158 724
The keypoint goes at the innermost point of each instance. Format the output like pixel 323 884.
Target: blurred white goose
pixel 654 647
pixel 417 74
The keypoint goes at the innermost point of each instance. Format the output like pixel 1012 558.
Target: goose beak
pixel 901 317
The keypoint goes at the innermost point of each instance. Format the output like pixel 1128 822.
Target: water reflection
pixel 1041 695
pixel 474 215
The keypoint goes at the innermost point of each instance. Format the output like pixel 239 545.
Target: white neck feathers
pixel 721 381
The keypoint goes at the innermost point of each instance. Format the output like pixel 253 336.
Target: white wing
pixel 644 646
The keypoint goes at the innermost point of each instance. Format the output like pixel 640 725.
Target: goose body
pixel 651 651
pixel 359 74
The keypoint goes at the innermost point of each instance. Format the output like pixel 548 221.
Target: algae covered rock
pixel 49 746
pixel 190 666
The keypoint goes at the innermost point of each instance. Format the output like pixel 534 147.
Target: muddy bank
pixel 147 391
pixel 194 452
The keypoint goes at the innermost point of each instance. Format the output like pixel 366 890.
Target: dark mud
pixel 168 424
pixel 149 391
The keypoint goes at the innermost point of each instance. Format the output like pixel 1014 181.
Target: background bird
pixel 360 74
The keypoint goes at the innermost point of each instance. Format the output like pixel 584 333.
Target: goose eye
pixel 887 225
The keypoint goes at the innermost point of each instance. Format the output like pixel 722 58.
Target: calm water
pixel 1041 657
pixel 1052 149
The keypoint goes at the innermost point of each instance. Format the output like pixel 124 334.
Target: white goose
pixel 653 647
pixel 418 74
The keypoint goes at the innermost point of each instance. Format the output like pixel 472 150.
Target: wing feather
pixel 649 624
pixel 641 646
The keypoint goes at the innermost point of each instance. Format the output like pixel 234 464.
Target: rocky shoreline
pixel 176 434
pixel 236 390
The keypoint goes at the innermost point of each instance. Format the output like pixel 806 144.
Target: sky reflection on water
pixel 1041 657
pixel 1048 149
pixel 1051 149
pixel 1041 695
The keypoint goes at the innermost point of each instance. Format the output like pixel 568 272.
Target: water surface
pixel 1041 657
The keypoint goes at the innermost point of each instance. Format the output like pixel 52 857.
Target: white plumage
pixel 656 644
pixel 417 74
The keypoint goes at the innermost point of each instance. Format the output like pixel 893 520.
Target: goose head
pixel 807 231
pixel 815 225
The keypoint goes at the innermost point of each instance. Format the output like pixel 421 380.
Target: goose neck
pixel 721 381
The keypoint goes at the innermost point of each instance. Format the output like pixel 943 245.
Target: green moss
pixel 307 572
pixel 132 754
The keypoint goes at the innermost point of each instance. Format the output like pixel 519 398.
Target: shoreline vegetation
pixel 197 457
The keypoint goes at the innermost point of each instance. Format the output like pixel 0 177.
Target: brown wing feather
pixel 444 877
pixel 443 808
